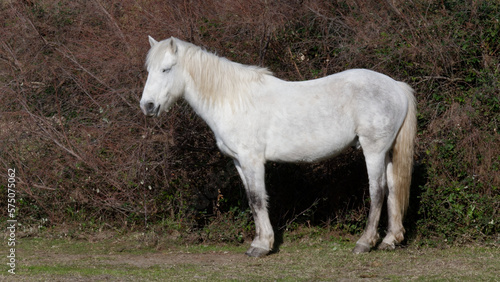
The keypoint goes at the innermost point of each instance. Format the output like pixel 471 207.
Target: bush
pixel 72 75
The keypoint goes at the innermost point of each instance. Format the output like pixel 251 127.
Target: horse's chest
pixel 226 150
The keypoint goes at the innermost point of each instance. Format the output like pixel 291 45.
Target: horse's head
pixel 165 84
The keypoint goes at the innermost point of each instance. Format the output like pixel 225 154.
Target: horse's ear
pixel 152 41
pixel 173 46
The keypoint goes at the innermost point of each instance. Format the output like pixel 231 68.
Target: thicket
pixel 72 72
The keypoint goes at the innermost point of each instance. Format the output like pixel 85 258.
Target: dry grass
pixel 316 258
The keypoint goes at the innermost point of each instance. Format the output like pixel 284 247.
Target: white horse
pixel 257 117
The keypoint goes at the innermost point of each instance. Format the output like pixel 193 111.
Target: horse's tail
pixel 402 156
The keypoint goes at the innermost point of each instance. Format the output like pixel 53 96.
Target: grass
pixel 317 257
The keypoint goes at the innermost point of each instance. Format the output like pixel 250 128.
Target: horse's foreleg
pixel 376 175
pixel 252 175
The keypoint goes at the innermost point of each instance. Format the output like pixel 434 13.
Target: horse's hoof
pixel 256 252
pixel 385 246
pixel 361 248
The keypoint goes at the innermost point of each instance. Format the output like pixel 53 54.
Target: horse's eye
pixel 166 70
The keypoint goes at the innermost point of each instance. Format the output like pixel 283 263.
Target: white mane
pixel 218 80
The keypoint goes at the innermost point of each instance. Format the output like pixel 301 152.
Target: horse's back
pixel 318 119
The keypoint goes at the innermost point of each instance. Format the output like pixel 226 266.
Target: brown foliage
pixel 71 76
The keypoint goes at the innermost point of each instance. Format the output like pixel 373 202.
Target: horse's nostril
pixel 150 107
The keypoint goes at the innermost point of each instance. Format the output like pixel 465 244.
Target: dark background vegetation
pixel 72 72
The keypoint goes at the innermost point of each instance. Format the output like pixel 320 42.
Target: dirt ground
pixel 300 259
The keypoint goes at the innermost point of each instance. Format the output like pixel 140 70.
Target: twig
pixel 438 77
pixel 264 44
pixel 294 64
pixel 301 213
pixel 36 185
pixel 111 19
pixel 48 134
pixel 69 55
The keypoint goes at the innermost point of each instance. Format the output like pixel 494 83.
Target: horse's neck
pixel 218 81
pixel 211 110
pixel 214 116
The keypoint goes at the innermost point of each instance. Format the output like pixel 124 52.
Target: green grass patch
pixel 310 257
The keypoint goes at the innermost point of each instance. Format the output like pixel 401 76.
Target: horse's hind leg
pixel 375 163
pixel 252 174
pixel 395 232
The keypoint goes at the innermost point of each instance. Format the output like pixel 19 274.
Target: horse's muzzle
pixel 150 109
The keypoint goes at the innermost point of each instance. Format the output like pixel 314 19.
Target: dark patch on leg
pixel 254 200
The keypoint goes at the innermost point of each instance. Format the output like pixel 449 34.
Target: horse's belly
pixel 309 149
